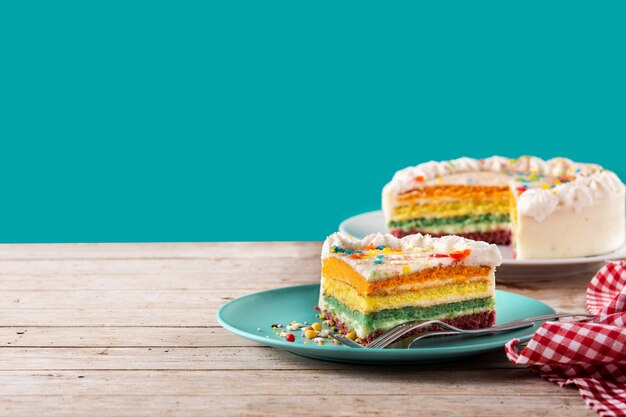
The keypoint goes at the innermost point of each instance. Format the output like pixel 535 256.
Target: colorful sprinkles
pixel 320 332
pixel 379 255
pixel 517 168
pixel 544 182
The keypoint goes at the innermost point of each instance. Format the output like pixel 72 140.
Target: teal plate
pixel 246 315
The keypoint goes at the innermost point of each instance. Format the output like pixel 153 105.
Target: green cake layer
pixel 381 319
pixel 425 222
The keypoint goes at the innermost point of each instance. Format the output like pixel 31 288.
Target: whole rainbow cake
pixel 547 209
pixel 376 283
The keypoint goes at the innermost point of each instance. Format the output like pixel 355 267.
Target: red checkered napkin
pixel 591 355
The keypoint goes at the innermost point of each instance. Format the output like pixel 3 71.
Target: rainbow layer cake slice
pixel 376 283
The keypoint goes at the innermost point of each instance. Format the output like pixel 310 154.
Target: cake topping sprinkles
pixel 381 254
pixel 319 332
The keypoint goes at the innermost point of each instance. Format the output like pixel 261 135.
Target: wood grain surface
pixel 130 330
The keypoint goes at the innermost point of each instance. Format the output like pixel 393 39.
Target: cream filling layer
pixel 468 228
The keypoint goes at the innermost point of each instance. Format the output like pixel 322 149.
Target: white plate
pixel 374 222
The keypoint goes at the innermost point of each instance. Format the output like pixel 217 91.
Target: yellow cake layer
pixel 452 209
pixel 337 269
pixel 349 296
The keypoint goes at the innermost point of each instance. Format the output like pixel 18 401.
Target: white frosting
pixel 416 251
pixel 592 230
pixel 582 192
pixel 590 181
pixel 378 239
pixel 537 203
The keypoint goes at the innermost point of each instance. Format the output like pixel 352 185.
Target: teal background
pixel 210 121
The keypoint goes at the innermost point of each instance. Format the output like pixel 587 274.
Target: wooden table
pixel 130 330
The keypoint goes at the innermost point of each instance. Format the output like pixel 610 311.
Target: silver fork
pixel 345 341
pixel 397 332
pixel 465 334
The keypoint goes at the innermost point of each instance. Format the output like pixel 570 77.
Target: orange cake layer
pixel 455 191
pixel 337 269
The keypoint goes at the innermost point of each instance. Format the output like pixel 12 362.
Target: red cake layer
pixel 499 237
pixel 468 322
